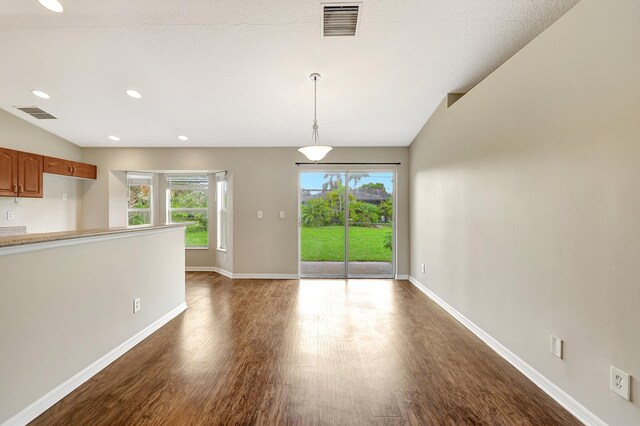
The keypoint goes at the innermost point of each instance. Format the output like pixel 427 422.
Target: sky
pixel 314 180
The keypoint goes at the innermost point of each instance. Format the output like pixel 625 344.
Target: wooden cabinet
pixel 20 174
pixel 29 175
pixel 83 170
pixel 58 166
pixel 8 172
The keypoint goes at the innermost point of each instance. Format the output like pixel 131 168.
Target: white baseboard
pixel 208 269
pixel 402 277
pixel 266 276
pixel 55 395
pixel 242 275
pixel 200 269
pixel 560 396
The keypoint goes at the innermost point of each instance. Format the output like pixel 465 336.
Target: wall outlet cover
pixel 556 346
pixel 620 383
pixel 136 305
pixel 10 216
pixel 259 214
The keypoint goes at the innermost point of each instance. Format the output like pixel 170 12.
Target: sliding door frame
pixel 347 171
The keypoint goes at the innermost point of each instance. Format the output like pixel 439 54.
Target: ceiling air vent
pixel 37 113
pixel 340 20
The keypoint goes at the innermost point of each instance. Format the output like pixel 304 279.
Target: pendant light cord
pixel 314 135
pixel 315 99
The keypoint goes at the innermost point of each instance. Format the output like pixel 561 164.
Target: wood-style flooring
pixel 279 352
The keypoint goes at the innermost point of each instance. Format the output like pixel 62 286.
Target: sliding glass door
pixel 346 224
pixel 370 227
pixel 321 224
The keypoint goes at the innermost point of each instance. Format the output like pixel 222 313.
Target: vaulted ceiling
pixel 236 72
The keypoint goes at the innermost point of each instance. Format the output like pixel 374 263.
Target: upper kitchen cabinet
pixel 20 174
pixel 29 175
pixel 58 166
pixel 8 173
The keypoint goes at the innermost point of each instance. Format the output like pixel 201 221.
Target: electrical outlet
pixel 423 268
pixel 281 214
pixel 10 216
pixel 620 383
pixel 259 214
pixel 556 346
pixel 136 305
pixel 64 196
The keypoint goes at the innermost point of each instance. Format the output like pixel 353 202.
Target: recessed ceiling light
pixel 183 138
pixel 52 5
pixel 40 94
pixel 114 138
pixel 134 94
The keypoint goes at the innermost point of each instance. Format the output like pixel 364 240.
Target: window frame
pixel 170 209
pixel 140 175
pixel 222 215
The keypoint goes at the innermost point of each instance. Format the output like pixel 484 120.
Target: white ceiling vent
pixel 37 113
pixel 340 19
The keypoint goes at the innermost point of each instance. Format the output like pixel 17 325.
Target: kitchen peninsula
pixel 68 302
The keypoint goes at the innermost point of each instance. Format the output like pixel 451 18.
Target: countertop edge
pixel 22 242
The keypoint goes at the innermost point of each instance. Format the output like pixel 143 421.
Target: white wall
pixel 260 179
pixel 50 213
pixel 64 308
pixel 525 203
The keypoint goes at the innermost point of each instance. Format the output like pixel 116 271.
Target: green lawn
pixel 326 243
pixel 196 237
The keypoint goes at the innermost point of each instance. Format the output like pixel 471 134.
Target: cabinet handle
pixel 75 169
pixel 70 169
pixel 15 188
pixel 20 189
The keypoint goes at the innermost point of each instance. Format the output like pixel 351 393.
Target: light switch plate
pixel 556 346
pixel 281 214
pixel 620 383
pixel 64 196
pixel 259 214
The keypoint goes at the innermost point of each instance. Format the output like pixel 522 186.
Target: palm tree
pixel 335 181
pixel 316 212
pixel 357 177
pixel 386 209
pixel 365 213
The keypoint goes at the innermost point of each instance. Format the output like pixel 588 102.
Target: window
pixel 221 213
pixel 188 201
pixel 140 199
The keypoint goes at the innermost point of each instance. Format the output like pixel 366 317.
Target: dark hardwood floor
pixel 308 352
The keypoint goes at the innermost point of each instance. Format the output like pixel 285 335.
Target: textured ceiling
pixel 235 72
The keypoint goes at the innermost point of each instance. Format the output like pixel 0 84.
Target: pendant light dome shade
pixel 315 152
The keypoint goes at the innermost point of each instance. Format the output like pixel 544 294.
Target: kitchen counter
pixel 49 237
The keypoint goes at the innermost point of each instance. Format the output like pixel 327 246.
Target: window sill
pixel 196 248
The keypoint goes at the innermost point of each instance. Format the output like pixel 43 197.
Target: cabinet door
pixel 58 166
pixel 8 173
pixel 30 175
pixel 83 170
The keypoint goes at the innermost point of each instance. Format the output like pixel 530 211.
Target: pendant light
pixel 315 152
